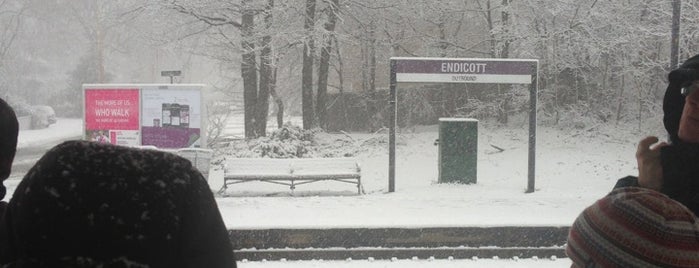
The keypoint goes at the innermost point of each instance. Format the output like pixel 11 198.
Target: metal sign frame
pixel 464 70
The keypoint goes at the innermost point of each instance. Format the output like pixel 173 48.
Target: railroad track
pixel 399 243
pixel 398 253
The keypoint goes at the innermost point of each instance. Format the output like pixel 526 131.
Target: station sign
pixel 464 70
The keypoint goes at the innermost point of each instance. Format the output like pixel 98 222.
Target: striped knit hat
pixel 634 227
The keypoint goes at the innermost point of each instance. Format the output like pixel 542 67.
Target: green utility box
pixel 458 148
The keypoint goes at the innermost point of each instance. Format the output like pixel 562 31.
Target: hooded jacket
pixel 679 160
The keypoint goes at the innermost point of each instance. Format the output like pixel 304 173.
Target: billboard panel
pixel 111 115
pixel 172 118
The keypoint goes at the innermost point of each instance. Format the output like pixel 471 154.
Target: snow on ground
pixel 573 169
pixel 64 127
pixel 480 263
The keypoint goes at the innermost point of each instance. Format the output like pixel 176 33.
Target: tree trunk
pixel 101 77
pixel 341 80
pixel 324 65
pixel 369 75
pixel 364 48
pixel 248 70
pixel 372 56
pixel 506 94
pixel 442 38
pixel 506 35
pixel 620 98
pixel 307 70
pixel 489 19
pixel 674 44
pixel 278 100
pixel 265 73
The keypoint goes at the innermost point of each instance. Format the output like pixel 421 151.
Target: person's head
pixel 680 105
pixel 86 204
pixel 634 227
pixel 9 129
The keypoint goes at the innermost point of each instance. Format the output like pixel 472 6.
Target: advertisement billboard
pixel 168 116
pixel 112 116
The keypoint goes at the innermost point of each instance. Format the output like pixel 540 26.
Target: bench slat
pixel 328 166
pixel 256 167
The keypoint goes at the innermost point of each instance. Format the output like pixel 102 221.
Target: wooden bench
pixel 291 171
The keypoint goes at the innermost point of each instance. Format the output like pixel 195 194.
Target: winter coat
pixel 680 175
pixel 86 204
pixel 679 160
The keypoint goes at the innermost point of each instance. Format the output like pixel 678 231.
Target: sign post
pixel 464 70
pixel 392 131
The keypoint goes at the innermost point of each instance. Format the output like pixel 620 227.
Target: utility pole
pixel 675 42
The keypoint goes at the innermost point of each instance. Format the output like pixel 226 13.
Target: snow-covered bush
pixel 293 142
pixel 287 142
pixel 290 141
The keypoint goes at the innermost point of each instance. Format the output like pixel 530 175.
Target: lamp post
pixel 171 74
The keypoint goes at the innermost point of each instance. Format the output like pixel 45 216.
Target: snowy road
pixel 32 144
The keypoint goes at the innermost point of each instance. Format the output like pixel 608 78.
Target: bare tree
pixel 307 71
pixel 11 21
pixel 324 65
pixel 248 68
pixel 267 78
pixel 259 78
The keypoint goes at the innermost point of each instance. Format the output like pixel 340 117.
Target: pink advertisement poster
pixel 112 115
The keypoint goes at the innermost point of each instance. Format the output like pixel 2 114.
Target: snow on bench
pixel 291 171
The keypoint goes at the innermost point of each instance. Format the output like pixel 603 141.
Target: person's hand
pixel 650 172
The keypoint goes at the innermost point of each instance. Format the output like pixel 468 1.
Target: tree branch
pixel 210 20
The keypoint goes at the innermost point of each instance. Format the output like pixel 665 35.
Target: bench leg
pixel 223 188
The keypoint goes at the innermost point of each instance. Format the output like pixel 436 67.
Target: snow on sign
pixel 465 70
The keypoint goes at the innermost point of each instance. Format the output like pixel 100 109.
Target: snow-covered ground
pixel 479 263
pixel 573 169
pixel 63 128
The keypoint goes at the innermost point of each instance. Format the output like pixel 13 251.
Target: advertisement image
pixel 111 116
pixel 171 117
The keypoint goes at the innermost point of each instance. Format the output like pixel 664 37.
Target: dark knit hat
pixel 634 227
pixel 89 204
pixel 673 102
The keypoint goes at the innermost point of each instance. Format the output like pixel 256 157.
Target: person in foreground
pixel 88 204
pixel 634 227
pixel 9 129
pixel 673 167
pixel 650 220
